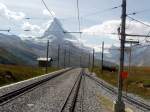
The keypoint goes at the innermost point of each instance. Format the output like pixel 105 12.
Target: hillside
pixel 8 58
pixel 20 51
pixel 27 51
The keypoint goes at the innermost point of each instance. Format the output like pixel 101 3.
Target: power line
pixel 103 11
pixel 49 11
pixel 48 8
pixel 4 30
pixel 136 46
pixel 138 12
pixel 35 18
pixel 73 32
pixel 140 46
pixel 79 23
pixel 147 36
pixel 138 21
pixel 141 23
pixel 78 14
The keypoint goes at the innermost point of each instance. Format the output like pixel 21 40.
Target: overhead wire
pixel 103 11
pixel 50 12
pixel 79 22
pixel 147 37
pixel 140 46
pixel 78 14
pixel 148 25
pixel 138 12
pixel 109 9
pixel 48 8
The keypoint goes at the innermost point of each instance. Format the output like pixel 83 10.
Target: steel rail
pixel 7 97
pixel 129 99
pixel 75 87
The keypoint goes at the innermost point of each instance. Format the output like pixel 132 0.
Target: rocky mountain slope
pixel 13 50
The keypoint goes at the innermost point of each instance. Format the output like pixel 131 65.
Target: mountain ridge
pixel 28 50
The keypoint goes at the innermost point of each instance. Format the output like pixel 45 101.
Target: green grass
pixel 137 75
pixel 21 73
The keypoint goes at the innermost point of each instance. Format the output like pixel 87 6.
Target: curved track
pixel 130 100
pixel 59 93
pixel 10 96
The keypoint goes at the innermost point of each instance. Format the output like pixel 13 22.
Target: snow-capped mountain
pixel 56 32
pixel 13 50
pixel 29 50
pixel 139 56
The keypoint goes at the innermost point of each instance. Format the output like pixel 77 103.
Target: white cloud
pixel 30 26
pixel 98 48
pixel 47 24
pixel 111 26
pixel 47 13
pixel 35 30
pixel 5 12
pixel 104 28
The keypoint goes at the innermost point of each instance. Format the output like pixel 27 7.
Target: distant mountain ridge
pixel 28 50
pixel 13 50
pixel 139 56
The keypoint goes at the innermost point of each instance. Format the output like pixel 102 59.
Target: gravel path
pixel 88 97
pixel 46 98
pixel 102 92
pixel 51 96
pixel 91 97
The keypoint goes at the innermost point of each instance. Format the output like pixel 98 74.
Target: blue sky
pixel 65 11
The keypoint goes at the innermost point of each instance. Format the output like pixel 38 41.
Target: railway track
pixel 71 100
pixel 12 95
pixel 130 100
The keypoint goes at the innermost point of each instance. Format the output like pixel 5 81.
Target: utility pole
pixel 89 63
pixel 58 56
pixel 120 106
pixel 130 55
pixel 93 60
pixel 80 60
pixel 131 42
pixel 3 30
pixel 69 57
pixel 102 57
pixel 65 58
pixel 46 69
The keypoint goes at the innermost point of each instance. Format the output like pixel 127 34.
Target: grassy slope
pixel 21 73
pixel 138 74
pixel 7 57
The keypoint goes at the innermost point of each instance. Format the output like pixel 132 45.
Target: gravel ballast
pixel 46 98
pixel 15 86
pixel 101 90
